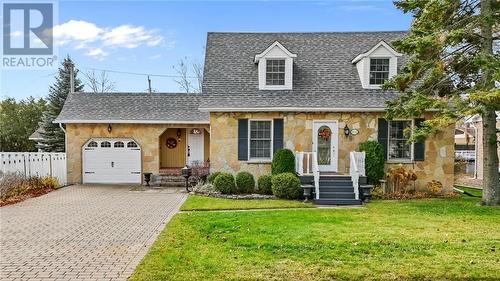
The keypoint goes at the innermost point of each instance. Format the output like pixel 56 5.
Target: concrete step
pixel 336 189
pixel 343 202
pixel 336 195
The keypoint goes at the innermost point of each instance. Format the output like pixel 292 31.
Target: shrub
pixel 265 186
pixel 245 182
pixel 374 162
pixel 204 188
pixel 212 176
pixel 286 185
pixel 49 182
pixel 224 183
pixel 434 187
pixel 283 162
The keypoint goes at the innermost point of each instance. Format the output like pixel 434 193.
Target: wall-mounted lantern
pixel 179 133
pixel 346 130
pixel 109 128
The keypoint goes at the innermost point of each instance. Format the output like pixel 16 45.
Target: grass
pixel 424 239
pixel 203 203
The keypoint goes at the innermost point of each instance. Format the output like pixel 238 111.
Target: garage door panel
pixel 111 164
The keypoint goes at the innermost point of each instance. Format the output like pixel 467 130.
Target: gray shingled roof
pixel 323 77
pixel 136 107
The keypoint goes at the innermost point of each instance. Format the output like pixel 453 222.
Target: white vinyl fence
pixel 31 164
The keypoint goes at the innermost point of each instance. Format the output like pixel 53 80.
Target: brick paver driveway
pixel 82 232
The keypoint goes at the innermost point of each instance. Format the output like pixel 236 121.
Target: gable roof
pixel 369 52
pixel 275 44
pixel 161 108
pixel 324 75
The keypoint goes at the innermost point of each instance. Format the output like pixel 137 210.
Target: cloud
pixel 100 41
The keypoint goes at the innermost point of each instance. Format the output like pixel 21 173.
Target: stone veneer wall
pixel 146 135
pixel 439 153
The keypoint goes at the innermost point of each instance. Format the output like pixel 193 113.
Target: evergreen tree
pixel 53 137
pixel 452 69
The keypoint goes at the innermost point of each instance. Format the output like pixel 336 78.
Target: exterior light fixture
pixel 109 128
pixel 346 130
pixel 179 135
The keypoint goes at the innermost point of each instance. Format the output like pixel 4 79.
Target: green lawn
pixel 203 203
pixel 415 239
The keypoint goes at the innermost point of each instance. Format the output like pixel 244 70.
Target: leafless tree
pixel 99 82
pixel 190 75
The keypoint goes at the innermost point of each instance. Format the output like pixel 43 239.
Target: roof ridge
pixel 138 93
pixel 305 32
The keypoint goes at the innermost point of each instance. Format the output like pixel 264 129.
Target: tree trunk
pixel 491 184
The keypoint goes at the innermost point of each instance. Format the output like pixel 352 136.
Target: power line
pixel 137 73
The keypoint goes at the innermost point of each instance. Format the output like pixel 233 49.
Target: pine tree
pixel 452 69
pixel 53 137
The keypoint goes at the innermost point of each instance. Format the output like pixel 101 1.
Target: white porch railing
pixel 356 169
pixel 306 164
pixel 32 164
pixel 465 154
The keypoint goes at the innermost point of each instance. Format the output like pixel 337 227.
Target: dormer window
pixel 379 71
pixel 377 65
pixel 275 72
pixel 275 68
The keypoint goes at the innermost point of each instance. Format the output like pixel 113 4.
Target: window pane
pixel 379 71
pixel 399 148
pixel 275 72
pixel 260 139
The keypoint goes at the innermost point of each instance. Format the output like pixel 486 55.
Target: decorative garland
pixel 171 143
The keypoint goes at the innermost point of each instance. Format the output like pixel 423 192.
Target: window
pixel 260 139
pixel 131 144
pixel 105 144
pixel 92 144
pixel 119 144
pixel 275 72
pixel 399 148
pixel 379 71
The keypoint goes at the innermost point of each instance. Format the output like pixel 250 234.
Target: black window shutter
pixel 382 135
pixel 419 147
pixel 243 139
pixel 278 135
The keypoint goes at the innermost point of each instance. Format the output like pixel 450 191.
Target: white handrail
pixel 315 173
pixel 356 169
pixel 311 167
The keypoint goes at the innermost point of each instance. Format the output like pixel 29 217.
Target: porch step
pixel 342 202
pixel 336 195
pixel 334 183
pixel 336 189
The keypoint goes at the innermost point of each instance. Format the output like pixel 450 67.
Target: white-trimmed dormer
pixel 377 65
pixel 275 67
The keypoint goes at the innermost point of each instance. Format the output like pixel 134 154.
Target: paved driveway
pixel 82 232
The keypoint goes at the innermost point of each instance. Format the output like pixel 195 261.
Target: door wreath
pixel 171 143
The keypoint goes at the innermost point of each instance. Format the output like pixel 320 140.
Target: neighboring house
pixel 261 92
pixel 37 137
pixel 465 147
pixel 477 123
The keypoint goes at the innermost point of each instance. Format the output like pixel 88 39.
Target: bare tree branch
pixel 99 83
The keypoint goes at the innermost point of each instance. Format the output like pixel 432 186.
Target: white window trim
pixel 288 74
pixel 260 159
pixel 400 160
pixel 278 87
pixel 377 86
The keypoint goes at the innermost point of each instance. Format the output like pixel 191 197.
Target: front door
pixel 325 143
pixel 196 147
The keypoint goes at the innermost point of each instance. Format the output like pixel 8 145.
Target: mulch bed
pixel 30 194
pixel 236 196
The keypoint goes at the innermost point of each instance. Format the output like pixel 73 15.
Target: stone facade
pixel 439 153
pixel 146 135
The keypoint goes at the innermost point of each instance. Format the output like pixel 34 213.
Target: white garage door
pixel 111 161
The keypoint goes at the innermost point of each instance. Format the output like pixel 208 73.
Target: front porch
pixel 330 187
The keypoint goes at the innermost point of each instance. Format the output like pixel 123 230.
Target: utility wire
pixel 136 73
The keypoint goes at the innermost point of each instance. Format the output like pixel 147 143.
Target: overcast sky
pixel 152 36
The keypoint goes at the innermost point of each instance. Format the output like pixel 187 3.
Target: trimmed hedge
pixel 212 176
pixel 283 162
pixel 245 182
pixel 224 183
pixel 374 161
pixel 265 185
pixel 287 186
